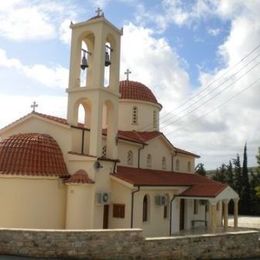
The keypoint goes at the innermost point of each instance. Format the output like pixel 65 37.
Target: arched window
pixel 145 208
pixel 149 160
pixel 104 151
pixel 189 166
pixel 154 119
pixel 130 158
pixel 135 116
pixel 177 167
pixel 163 163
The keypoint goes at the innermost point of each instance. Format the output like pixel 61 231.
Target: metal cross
pixel 127 74
pixel 34 105
pixel 99 11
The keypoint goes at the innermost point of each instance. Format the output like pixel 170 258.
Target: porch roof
pixel 197 185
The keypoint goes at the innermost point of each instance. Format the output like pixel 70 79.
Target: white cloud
pixel 52 105
pixel 65 31
pixel 56 76
pixel 22 20
pixel 154 63
pixel 223 132
pixel 214 31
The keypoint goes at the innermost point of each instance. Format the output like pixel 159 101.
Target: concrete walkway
pixel 246 221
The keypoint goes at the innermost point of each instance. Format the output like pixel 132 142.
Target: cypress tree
pixel 245 186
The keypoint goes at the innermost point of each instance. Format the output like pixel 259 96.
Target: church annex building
pixel 115 170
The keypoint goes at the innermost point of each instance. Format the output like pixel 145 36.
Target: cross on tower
pixel 127 74
pixel 34 105
pixel 99 12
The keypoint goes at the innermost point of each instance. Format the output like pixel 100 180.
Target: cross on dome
pixel 127 73
pixel 33 106
pixel 99 12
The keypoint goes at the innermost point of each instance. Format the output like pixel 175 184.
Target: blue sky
pixel 177 48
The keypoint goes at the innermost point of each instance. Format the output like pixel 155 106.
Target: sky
pixel 199 57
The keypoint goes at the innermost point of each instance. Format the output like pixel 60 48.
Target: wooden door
pixel 105 216
pixel 182 213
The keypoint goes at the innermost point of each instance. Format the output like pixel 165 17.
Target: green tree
pixel 230 174
pixel 245 198
pixel 237 175
pixel 199 169
pixel 220 174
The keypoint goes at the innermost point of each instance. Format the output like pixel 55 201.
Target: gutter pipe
pixel 132 205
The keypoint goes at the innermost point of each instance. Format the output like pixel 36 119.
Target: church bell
pixel 84 62
pixel 107 59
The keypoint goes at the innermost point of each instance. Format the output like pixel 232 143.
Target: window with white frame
pixel 104 151
pixel 149 160
pixel 130 158
pixel 163 163
pixel 135 115
pixel 177 166
pixel 154 119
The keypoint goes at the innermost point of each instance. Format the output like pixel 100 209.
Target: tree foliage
pixel 199 169
pixel 245 183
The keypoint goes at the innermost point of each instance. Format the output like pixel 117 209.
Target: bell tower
pixel 94 84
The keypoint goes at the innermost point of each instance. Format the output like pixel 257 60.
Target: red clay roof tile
pixel 80 177
pixel 137 91
pixel 31 154
pixel 147 177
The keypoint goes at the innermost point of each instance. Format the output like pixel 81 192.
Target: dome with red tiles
pixel 137 91
pixel 31 154
pixel 79 177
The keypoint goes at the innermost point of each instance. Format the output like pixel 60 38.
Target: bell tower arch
pixel 95 49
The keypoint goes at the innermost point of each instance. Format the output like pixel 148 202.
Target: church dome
pixel 136 91
pixel 31 154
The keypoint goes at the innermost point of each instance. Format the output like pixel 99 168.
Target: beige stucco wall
pixel 158 149
pixel 32 202
pixel 120 195
pixel 156 224
pixel 124 148
pixel 145 115
pixel 183 163
pixel 80 200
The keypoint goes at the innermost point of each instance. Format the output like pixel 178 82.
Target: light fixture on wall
pixel 84 61
pixel 107 56
pixel 98 165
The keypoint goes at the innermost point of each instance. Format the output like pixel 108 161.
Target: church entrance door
pixel 105 216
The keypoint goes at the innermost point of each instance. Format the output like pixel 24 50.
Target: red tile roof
pixel 132 136
pixel 137 91
pixel 31 154
pixel 147 177
pixel 80 177
pixel 204 190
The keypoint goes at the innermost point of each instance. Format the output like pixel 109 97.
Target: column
pixel 225 202
pixel 235 212
pixel 213 217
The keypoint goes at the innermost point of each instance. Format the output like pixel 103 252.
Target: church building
pixel 114 170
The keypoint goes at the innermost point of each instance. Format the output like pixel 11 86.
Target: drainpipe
pixel 132 205
pixel 173 198
pixel 82 141
pixel 139 153
pixel 114 168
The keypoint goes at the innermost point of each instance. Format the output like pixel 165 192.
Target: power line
pixel 211 83
pixel 218 106
pixel 217 94
pixel 214 89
